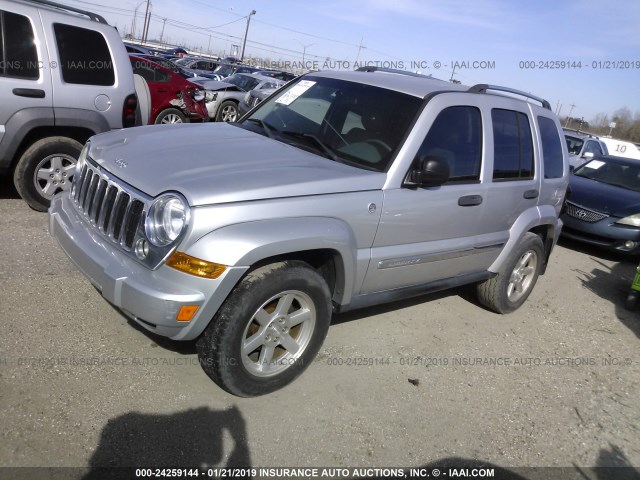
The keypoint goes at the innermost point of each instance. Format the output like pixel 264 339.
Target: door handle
pixel 470 200
pixel 28 92
pixel 530 194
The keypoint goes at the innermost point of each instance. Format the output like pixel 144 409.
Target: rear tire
pixel 509 289
pixel 45 169
pixel 268 331
pixel 170 116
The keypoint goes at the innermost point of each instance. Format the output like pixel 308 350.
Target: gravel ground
pixel 416 383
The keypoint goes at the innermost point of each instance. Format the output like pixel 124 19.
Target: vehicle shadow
pixel 613 284
pixel 362 313
pixel 7 189
pixel 611 465
pixel 593 251
pixel 197 438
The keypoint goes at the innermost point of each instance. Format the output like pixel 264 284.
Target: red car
pixel 173 98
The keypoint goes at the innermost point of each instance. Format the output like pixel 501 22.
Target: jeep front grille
pixel 115 211
pixel 584 214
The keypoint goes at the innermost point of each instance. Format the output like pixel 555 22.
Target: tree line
pixel 627 124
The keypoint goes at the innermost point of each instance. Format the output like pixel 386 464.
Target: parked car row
pixel 173 98
pixel 224 97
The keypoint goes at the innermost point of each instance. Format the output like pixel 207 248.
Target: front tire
pixel 227 112
pixel 268 331
pixel 45 169
pixel 509 289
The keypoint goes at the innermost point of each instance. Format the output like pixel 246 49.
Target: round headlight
pixel 166 219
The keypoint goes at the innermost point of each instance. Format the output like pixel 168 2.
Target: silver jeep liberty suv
pixel 341 190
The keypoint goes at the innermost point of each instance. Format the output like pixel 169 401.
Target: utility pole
pixel 246 32
pixel 162 32
pixel 209 46
pixel 566 124
pixel 304 51
pixel 133 21
pixel 147 21
pixel 360 47
pixel 454 71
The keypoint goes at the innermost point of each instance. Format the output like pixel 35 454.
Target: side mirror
pixel 588 155
pixel 431 171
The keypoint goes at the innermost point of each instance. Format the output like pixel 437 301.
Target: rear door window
pixel 84 56
pixel 512 144
pixel 18 54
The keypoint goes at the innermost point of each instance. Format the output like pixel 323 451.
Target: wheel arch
pixel 540 221
pixel 327 244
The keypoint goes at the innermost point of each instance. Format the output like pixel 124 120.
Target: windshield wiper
pixel 330 153
pixel 265 126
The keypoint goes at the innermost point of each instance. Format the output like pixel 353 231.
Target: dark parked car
pixel 197 67
pixel 173 99
pixel 175 52
pixel 225 70
pixel 280 75
pixel 603 204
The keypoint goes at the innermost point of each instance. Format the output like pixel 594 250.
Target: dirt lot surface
pixel 415 383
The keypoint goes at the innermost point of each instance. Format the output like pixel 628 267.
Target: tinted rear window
pixel 513 146
pixel 551 148
pixel 84 56
pixel 18 54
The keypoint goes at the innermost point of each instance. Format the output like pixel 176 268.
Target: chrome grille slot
pixel 113 208
pixel 119 214
pixel 91 194
pixel 136 207
pixel 104 220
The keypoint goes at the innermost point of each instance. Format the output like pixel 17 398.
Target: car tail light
pixel 129 111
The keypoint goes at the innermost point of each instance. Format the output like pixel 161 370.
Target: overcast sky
pixel 604 36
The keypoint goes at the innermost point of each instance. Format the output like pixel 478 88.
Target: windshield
pixel 224 69
pixel 245 82
pixel 574 144
pixel 357 124
pixel 183 61
pixel 619 174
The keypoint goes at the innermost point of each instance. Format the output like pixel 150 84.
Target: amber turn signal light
pixel 195 266
pixel 186 313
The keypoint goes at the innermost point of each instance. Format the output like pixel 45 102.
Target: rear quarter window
pixel 551 148
pixel 84 56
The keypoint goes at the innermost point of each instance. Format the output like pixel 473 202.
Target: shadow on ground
pixel 7 190
pixel 198 438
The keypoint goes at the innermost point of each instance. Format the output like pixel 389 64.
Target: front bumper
pixel 152 298
pixel 604 233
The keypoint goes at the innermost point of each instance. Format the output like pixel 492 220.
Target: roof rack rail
pixel 92 16
pixel 483 87
pixel 373 68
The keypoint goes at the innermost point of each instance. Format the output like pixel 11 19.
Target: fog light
pixel 142 249
pixel 629 244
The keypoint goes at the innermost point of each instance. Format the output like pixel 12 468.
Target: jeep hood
pixel 221 163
